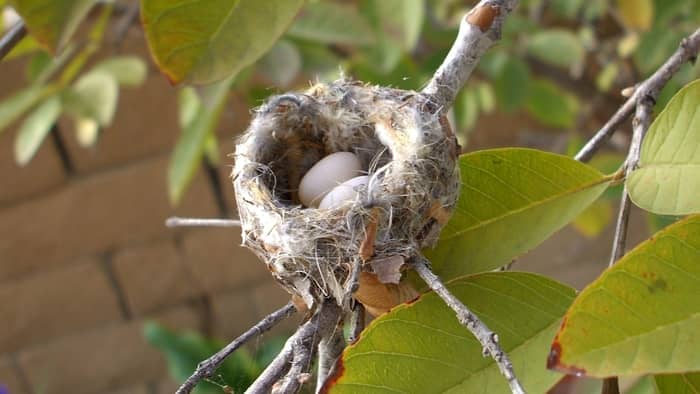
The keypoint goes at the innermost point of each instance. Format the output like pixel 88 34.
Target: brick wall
pixel 85 258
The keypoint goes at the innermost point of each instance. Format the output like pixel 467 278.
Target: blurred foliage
pixel 184 351
pixel 551 54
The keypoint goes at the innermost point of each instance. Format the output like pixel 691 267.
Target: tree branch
pixel 207 368
pixel 478 31
pixel 11 38
pixel 487 338
pixel 175 221
pixel 687 51
pixel 357 322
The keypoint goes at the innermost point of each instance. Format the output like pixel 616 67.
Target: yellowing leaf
pixel 636 14
pixel 641 315
pixel 667 181
pixel 205 41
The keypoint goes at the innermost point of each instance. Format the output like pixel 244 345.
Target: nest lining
pixel 410 154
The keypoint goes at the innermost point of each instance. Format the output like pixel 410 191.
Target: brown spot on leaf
pixel 554 361
pixel 482 17
pixel 657 285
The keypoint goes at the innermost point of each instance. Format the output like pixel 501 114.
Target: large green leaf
pixel 557 47
pixel 511 200
pixel 35 128
pixel 187 154
pixel 421 348
pixel 332 23
pixel 667 181
pixel 640 316
pixel 686 383
pixel 204 41
pixel 52 22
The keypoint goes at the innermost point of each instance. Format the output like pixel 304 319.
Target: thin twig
pixel 478 30
pixel 687 51
pixel 11 38
pixel 303 350
pixel 640 125
pixel 329 350
pixel 357 322
pixel 207 368
pixel 487 338
pixel 275 370
pixel 175 221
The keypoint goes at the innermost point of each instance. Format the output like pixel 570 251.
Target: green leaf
pixel 332 23
pixel 13 107
pixel 189 105
pixel 421 348
pixel 511 200
pixel 184 351
pixel 641 315
pixel 397 24
pixel 127 70
pixel 281 64
pixel 512 84
pixel 94 95
pixel 551 105
pixel 687 383
pixel 667 181
pixel 35 128
pixel 204 41
pixel 594 219
pixel 557 47
pixel 187 155
pixel 52 22
pixel 657 223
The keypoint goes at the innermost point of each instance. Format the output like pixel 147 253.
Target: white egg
pixel 346 191
pixel 328 173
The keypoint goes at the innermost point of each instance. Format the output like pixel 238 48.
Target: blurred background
pixel 86 264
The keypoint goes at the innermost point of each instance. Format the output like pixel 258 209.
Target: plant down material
pixel 410 152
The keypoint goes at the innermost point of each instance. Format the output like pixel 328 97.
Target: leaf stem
pixel 487 338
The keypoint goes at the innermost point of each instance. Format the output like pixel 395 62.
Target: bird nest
pixel 409 153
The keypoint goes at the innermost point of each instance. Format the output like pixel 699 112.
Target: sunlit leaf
pixel 686 383
pixel 421 348
pixel 332 23
pixel 556 47
pixel 281 64
pixel 187 155
pixel 94 95
pixel 52 22
pixel 552 106
pixel 189 106
pixel 511 200
pixel 204 41
pixel 641 315
pixel 594 219
pixel 667 181
pixel 13 107
pixel 35 128
pixel 127 70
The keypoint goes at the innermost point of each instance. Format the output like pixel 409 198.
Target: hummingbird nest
pixel 409 153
